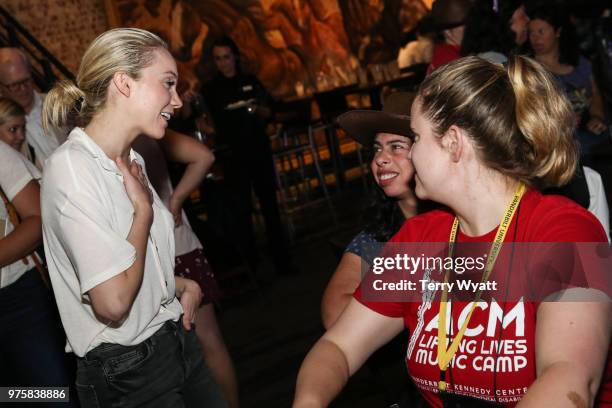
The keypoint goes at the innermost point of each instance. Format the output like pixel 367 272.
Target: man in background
pixel 16 83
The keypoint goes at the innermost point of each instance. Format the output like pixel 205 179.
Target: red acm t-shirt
pixel 496 357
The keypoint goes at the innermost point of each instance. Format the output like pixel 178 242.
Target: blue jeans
pixel 32 339
pixel 166 370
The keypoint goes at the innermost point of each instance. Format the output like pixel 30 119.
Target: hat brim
pixel 439 27
pixel 364 125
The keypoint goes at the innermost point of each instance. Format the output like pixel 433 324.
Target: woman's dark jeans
pixel 166 370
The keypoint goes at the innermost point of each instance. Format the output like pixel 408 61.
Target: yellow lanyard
pixel 446 355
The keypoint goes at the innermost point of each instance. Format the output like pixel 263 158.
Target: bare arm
pixel 572 341
pixel 340 352
pixel 340 288
pixel 27 235
pixel 112 299
pixel 198 158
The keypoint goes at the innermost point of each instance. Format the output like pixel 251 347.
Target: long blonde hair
pixel 71 104
pixel 521 122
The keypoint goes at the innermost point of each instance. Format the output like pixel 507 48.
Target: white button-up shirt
pixel 15 173
pixel 87 216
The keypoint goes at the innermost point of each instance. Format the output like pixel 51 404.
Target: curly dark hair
pixel 383 217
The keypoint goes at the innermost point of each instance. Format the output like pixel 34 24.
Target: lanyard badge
pixel 446 355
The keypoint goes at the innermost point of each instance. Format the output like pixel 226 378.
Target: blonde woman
pixel 12 123
pixel 483 135
pixel 13 128
pixel 108 237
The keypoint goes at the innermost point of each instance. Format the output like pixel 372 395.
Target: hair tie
pixel 78 105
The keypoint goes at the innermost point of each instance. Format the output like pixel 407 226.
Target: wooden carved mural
pixel 282 41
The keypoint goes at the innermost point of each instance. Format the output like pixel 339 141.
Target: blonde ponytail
pixel 63 107
pixel 546 120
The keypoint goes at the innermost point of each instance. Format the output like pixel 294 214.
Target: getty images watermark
pixel 412 265
pixel 521 271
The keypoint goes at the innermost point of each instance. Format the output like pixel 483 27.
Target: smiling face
pixel 155 95
pixel 225 60
pixel 12 132
pixel 391 165
pixel 543 37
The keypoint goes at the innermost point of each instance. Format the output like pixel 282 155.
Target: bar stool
pixel 298 170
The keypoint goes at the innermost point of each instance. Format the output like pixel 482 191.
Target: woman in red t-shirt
pixel 485 136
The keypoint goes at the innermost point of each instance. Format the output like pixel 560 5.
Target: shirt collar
pixel 78 135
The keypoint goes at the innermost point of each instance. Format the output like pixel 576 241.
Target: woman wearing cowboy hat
pixel 388 133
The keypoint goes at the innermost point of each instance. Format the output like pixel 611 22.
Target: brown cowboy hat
pixel 363 125
pixel 447 14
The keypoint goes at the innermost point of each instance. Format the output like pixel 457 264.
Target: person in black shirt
pixel 239 106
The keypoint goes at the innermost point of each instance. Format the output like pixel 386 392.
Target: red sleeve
pixel 574 252
pixel 565 223
pixel 389 309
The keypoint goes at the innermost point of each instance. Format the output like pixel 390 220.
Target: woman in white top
pixel 108 237
pixel 31 336
pixel 31 339
pixel 12 124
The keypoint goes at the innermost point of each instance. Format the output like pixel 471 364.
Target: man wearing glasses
pixel 16 83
